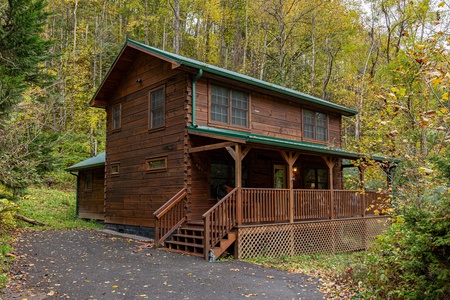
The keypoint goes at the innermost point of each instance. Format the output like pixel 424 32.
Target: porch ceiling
pixel 248 138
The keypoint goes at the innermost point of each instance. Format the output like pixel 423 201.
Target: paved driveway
pixel 100 265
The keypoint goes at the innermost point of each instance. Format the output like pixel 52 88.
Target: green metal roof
pixel 285 143
pixel 181 60
pixel 92 162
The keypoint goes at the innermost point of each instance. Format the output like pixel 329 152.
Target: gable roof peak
pixel 192 63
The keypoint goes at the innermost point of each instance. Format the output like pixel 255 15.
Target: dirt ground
pixel 86 264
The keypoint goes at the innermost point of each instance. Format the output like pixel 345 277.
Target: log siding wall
pixel 134 194
pixel 91 201
pixel 268 115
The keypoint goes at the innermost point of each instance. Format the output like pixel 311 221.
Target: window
pixel 115 169
pixel 116 116
pixel 156 108
pixel 315 125
pixel 222 173
pixel 156 164
pixel 315 178
pixel 229 106
pixel 88 180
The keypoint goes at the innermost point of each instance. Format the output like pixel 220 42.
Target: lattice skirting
pixel 327 236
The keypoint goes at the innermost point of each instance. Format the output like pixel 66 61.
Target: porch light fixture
pixel 294 169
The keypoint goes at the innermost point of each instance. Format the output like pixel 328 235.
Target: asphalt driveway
pixel 100 265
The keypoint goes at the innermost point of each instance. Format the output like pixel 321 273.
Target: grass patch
pixel 56 209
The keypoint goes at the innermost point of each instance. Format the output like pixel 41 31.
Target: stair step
pixel 182 252
pixel 188 236
pixel 195 223
pixel 184 244
pixel 225 243
pixel 191 231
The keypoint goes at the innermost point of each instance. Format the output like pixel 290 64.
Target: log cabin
pixel 179 132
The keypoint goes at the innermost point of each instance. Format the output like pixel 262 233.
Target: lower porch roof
pixel 247 137
pixel 92 162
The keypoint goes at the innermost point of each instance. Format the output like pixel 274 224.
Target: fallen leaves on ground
pixel 331 285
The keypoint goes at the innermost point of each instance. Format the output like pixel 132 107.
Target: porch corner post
pixel 206 236
pixel 363 190
pixel 156 239
pixel 238 177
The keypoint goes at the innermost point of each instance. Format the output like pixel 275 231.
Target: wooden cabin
pixel 90 195
pixel 179 131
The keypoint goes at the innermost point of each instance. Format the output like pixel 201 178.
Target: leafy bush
pixel 7 211
pixel 412 260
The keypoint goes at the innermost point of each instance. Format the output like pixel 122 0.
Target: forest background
pixel 388 59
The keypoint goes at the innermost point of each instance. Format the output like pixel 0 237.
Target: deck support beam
pixel 331 162
pixel 290 158
pixel 238 155
pixel 362 169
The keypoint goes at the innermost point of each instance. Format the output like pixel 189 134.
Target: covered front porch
pixel 278 190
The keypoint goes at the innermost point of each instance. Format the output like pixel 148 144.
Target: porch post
pixel 362 169
pixel 330 161
pixel 238 182
pixel 290 158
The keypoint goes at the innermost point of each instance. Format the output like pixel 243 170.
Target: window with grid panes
pixel 156 108
pixel 229 106
pixel 116 117
pixel 315 125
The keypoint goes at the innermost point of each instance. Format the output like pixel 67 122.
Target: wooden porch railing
pixel 349 204
pixel 169 217
pixel 312 204
pixel 219 220
pixel 265 205
pixel 272 205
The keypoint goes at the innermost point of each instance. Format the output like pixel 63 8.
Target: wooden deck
pixel 257 206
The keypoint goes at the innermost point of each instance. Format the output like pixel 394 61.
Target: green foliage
pixel 7 211
pixel 412 261
pixel 5 248
pixel 23 50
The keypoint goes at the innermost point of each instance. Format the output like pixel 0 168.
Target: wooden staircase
pixel 189 239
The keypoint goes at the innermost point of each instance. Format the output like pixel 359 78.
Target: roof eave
pixel 180 60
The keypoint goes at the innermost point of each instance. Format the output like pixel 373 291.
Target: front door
pixel 279 176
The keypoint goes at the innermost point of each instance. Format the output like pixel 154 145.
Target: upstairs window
pixel 156 108
pixel 116 116
pixel 229 106
pixel 315 125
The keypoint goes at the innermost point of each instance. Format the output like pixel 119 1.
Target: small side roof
pixel 132 48
pixel 92 162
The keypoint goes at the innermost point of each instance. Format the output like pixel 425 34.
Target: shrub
pixel 412 260
pixel 7 211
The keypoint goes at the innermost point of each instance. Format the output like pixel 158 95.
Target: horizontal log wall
pixel 91 201
pixel 134 194
pixel 269 115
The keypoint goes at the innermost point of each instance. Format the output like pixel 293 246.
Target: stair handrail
pixel 169 217
pixel 219 220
